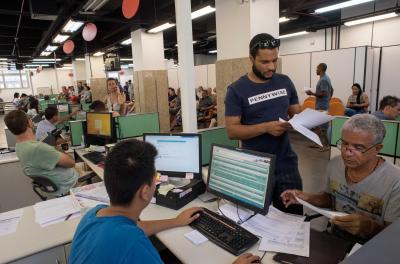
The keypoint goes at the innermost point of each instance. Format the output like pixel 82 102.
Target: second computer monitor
pixel 178 154
pixel 241 176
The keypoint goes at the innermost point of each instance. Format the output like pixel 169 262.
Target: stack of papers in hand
pixel 56 210
pixel 9 221
pixel 325 212
pixel 91 195
pixel 308 119
pixel 281 232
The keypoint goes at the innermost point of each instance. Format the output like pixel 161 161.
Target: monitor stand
pixel 178 182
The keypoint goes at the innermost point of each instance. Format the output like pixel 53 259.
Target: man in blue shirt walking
pixel 253 106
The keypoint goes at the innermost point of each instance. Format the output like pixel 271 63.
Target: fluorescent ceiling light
pixel 341 5
pixel 93 5
pixel 67 65
pixel 130 65
pixel 72 26
pixel 127 42
pixel 79 59
pixel 99 53
pixel 193 42
pixel 36 65
pixel 202 12
pixel 51 48
pixel 283 19
pixel 3 59
pixel 60 38
pixel 125 59
pixel 293 34
pixel 370 19
pixel 65 68
pixel 161 27
pixel 212 51
pixel 124 66
pixel 45 53
pixel 41 60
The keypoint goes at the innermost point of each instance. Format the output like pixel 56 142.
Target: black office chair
pixel 42 185
pixel 87 178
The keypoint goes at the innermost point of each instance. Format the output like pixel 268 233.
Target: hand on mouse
pixel 247 258
pixel 188 216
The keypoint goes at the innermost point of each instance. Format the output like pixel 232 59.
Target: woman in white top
pixel 114 100
pixel 33 108
pixel 358 101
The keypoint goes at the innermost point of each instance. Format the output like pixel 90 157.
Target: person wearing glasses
pixel 360 182
pixel 253 106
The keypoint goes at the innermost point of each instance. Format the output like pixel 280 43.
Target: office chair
pixel 87 178
pixel 43 184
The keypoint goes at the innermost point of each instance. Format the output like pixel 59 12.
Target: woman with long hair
pixel 358 101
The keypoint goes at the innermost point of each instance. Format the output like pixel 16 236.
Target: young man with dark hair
pixel 15 101
pixel 389 108
pixel 253 106
pixel 37 158
pixel 114 234
pixel 52 118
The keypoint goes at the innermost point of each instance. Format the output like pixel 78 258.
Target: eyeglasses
pixel 343 145
pixel 267 44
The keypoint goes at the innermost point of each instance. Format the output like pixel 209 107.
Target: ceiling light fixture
pixel 370 19
pixel 99 53
pixel 125 59
pixel 60 38
pixel 161 27
pixel 45 53
pixel 193 42
pixel 293 34
pixel 51 48
pixel 127 42
pixel 212 51
pixel 341 5
pixel 80 59
pixel 202 12
pixel 283 19
pixel 41 60
pixel 72 26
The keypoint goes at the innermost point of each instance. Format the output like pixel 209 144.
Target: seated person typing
pixel 114 234
pixel 360 182
pixel 38 158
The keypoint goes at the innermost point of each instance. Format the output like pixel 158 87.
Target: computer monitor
pixel 99 128
pixel 178 154
pixel 63 108
pixel 241 176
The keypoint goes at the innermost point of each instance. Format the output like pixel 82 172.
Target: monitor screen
pixel 63 108
pixel 99 124
pixel 178 154
pixel 241 176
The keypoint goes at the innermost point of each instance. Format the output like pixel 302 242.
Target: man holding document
pixel 360 183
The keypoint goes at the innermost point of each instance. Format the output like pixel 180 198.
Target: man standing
pixel 253 106
pixel 323 93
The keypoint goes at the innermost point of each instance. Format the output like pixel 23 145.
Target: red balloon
pixel 89 32
pixel 68 46
pixel 130 8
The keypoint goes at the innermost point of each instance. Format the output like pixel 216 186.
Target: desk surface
pixel 8 158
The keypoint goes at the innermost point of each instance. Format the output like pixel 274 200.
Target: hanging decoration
pixel 130 8
pixel 89 32
pixel 68 46
pixel 71 74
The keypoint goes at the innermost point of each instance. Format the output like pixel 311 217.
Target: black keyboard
pixel 224 232
pixel 95 157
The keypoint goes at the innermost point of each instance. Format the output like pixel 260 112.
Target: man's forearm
pixel 153 227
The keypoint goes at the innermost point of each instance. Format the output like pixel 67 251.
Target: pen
pixel 68 216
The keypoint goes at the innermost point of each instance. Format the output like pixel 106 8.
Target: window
pixel 13 79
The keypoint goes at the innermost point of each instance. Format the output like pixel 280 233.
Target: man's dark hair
pixel 24 95
pixel 50 112
pixel 260 38
pixel 323 66
pixel 16 95
pixel 16 121
pixel 128 166
pixel 46 97
pixel 388 101
pixel 97 106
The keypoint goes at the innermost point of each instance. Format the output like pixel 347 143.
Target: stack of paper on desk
pixel 89 196
pixel 281 232
pixel 9 221
pixel 308 119
pixel 56 210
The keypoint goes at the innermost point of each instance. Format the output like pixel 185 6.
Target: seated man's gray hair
pixel 363 123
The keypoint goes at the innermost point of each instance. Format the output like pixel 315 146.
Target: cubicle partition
pixel 77 131
pixel 136 124
pixel 391 142
pixel 85 106
pixel 217 135
pixel 43 103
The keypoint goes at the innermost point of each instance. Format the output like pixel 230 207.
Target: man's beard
pixel 259 74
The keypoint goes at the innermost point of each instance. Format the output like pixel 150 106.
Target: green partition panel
pixel 135 125
pixel 85 106
pixel 43 103
pixel 398 141
pixel 217 135
pixel 76 128
pixel 389 142
pixel 336 126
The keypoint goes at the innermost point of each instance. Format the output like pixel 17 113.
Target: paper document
pixel 307 133
pixel 354 249
pixel 281 232
pixel 9 221
pixel 96 192
pixel 325 212
pixel 196 237
pixel 235 214
pixel 55 210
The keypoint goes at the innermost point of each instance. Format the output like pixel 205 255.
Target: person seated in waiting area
pixel 48 124
pixel 360 182
pixel 389 108
pixel 38 158
pixel 358 101
pixel 114 234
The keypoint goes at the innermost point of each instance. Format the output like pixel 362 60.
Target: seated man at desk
pixel 48 124
pixel 38 158
pixel 360 182
pixel 114 234
pixel 389 108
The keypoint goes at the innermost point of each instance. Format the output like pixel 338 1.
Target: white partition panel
pixel 297 67
pixel 371 78
pixel 340 69
pixel 389 79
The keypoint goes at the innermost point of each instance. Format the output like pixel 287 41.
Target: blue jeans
pixel 351 112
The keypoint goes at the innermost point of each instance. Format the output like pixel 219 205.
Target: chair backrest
pixel 44 185
pixel 336 100
pixel 308 104
pixel 336 109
